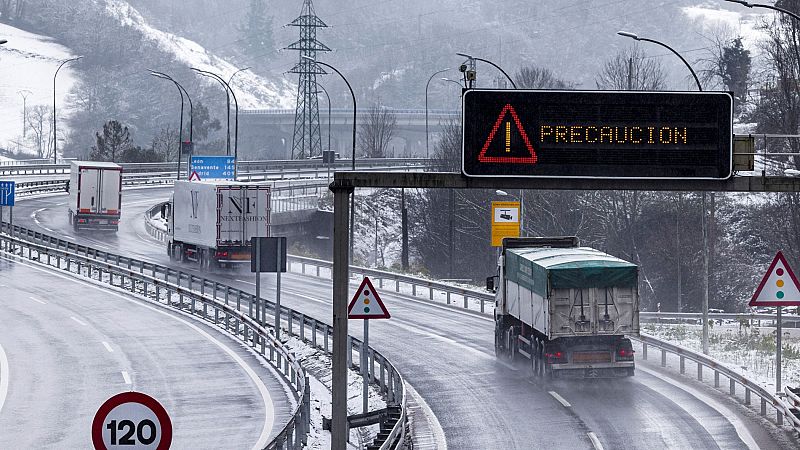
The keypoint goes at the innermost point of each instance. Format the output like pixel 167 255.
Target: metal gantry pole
pixel 341 277
pixel 705 278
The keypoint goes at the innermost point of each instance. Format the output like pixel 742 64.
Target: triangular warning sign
pixel 194 176
pixel 779 287
pixel 367 304
pixel 503 151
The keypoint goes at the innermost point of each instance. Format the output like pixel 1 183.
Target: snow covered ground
pixel 27 64
pixel 739 20
pixel 252 91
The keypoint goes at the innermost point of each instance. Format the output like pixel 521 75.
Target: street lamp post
pixel 427 147
pixel 339 363
pixel 236 119
pixel 227 107
pixel 491 63
pixel 55 136
pixel 227 88
pixel 760 5
pixel 328 97
pixel 704 224
pixel 181 91
pixel 637 38
pixel 778 353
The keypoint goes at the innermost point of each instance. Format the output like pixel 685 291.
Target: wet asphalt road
pixel 448 357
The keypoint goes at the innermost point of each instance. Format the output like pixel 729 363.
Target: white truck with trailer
pixel 213 222
pixel 567 309
pixel 95 195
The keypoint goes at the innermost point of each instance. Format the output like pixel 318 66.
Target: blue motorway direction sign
pixel 212 167
pixel 7 193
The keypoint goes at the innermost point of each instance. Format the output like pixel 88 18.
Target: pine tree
pixel 735 70
pixel 256 30
pixel 114 141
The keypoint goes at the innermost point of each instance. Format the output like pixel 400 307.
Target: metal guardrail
pixel 781 407
pixel 178 290
pixel 390 381
pixel 291 167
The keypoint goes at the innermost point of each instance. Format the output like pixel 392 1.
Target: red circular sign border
pixel 131 397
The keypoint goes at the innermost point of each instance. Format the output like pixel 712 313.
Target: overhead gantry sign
pixel 598 134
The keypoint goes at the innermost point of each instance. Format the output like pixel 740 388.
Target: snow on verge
pixel 27 64
pixel 252 90
pixel 318 366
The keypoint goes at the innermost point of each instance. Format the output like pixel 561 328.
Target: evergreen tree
pixel 735 70
pixel 114 141
pixel 256 30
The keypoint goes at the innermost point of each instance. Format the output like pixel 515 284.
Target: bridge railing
pixel 273 167
pixel 182 291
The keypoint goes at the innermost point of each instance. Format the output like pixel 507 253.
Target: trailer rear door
pixel 88 192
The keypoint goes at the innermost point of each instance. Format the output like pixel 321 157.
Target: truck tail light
pixel 115 222
pixel 219 254
pixel 625 351
pixel 556 357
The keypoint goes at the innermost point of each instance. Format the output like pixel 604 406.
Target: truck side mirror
pixel 164 210
pixel 490 283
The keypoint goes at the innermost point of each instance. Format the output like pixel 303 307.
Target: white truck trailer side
pixel 95 195
pixel 212 222
pixel 565 308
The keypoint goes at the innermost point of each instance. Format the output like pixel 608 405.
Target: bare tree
pixel 165 143
pixel 447 151
pixel 533 77
pixel 40 121
pixel 376 132
pixel 630 69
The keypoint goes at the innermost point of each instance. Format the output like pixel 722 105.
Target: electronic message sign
pixel 597 134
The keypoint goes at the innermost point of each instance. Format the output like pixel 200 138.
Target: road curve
pixel 70 345
pixel 448 357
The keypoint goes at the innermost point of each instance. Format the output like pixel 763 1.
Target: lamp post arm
pixel 772 7
pixel 697 80
pixel 498 68
pixel 353 95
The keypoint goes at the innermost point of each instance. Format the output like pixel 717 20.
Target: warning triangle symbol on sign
pixel 779 287
pixel 502 150
pixel 367 304
pixel 194 176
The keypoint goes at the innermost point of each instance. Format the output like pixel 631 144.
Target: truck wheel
pixel 75 224
pixel 69 215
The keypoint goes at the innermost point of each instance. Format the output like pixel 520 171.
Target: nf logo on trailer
pixel 7 189
pixel 597 134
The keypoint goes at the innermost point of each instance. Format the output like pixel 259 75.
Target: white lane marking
pixel 126 377
pixel 560 399
pixel 595 442
pixel 438 433
pixel 80 322
pixel 108 347
pixel 727 413
pixel 3 377
pixel 243 281
pixel 38 301
pixel 269 408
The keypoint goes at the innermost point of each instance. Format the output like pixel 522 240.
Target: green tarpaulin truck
pixel 567 309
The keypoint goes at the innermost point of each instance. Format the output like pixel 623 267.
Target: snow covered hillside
pixel 252 91
pixel 27 64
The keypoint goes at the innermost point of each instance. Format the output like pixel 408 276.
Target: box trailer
pixel 212 222
pixel 567 309
pixel 95 195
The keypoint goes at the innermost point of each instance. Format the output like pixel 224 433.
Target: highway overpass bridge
pixel 267 133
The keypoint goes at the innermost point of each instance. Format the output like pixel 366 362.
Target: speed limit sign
pixel 133 421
